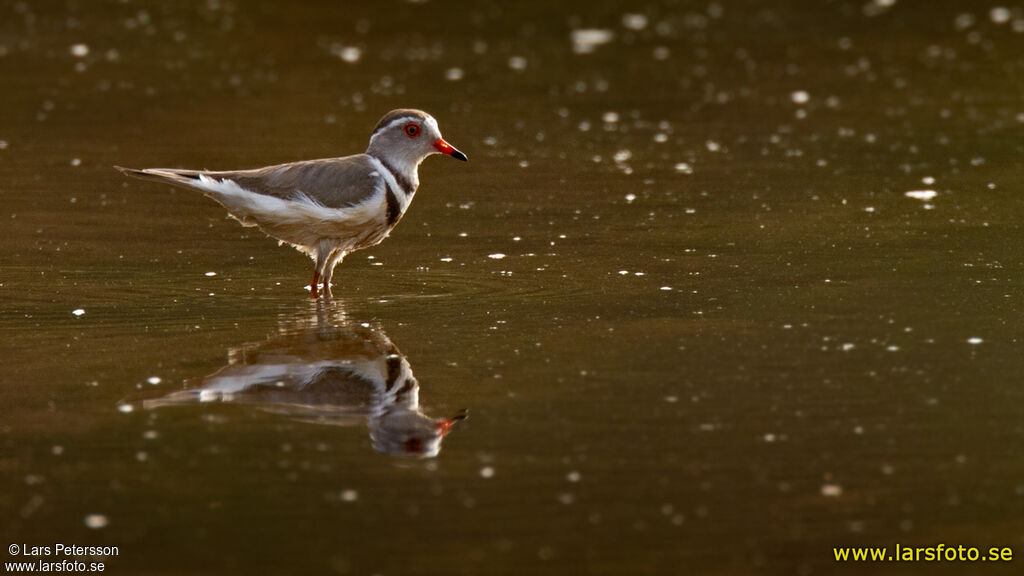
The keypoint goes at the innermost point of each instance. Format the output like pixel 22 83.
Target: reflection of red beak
pixel 445 426
pixel 446 148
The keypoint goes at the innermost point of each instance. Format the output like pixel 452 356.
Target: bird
pixel 330 207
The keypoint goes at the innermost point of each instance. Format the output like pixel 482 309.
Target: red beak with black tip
pixel 445 426
pixel 446 148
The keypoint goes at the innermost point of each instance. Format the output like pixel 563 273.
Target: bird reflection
pixel 324 372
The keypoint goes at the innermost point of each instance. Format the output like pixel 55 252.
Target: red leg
pixel 313 286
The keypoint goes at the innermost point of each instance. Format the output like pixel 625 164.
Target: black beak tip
pixel 459 156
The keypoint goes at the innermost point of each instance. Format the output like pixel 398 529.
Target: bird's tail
pixel 165 175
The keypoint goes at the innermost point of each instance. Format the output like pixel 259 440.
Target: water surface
pixel 696 322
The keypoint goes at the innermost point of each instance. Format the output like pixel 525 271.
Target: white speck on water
pixel 630 198
pixel 610 117
pixel 453 74
pixel 125 408
pixel 684 168
pixel 446 259
pixel 892 348
pixel 524 164
pixel 349 54
pixel 463 234
pixel 963 21
pixel 869 209
pixel 517 63
pixel 846 347
pixel 634 21
pixel 154 380
pixel 96 521
pixel 586 40
pixel 566 498
pixel 623 272
pixel 713 146
pixel 211 274
pixel 800 97
pixel 56 449
pixel 831 490
pixel 661 53
pixel 877 7
pixel 665 288
pixel 622 156
pixel 516 238
pixel 769 437
pixel 923 195
pixel 974 340
pixel 573 476
pixel 661 137
pixel 79 50
pixel 349 495
pixel 928 180
pixel 78 311
pixel 496 256
pixel 4 144
pixel 487 472
pixel 76 161
pixel 1000 14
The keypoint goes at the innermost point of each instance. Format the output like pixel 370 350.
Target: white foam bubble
pixel 586 40
pixel 634 21
pixel 96 521
pixel 923 195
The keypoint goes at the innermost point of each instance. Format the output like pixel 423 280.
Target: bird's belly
pixel 348 229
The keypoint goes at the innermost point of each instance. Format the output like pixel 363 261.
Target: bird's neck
pixel 404 169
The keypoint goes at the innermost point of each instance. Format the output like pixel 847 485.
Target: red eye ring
pixel 412 130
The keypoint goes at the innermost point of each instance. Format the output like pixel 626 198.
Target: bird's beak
pixel 445 426
pixel 446 148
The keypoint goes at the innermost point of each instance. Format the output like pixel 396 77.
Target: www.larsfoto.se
pixel 937 553
pixel 53 566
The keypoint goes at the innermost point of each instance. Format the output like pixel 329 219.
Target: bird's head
pixel 404 137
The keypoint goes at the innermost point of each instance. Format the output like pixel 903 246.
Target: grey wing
pixel 331 182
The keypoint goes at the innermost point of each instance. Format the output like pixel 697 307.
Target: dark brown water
pixel 722 339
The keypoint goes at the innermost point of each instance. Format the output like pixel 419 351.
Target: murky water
pixel 722 338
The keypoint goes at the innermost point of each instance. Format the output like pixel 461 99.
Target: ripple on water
pixel 470 286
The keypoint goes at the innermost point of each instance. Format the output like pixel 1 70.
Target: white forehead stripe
pixel 429 121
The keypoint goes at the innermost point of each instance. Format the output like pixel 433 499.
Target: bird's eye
pixel 412 130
